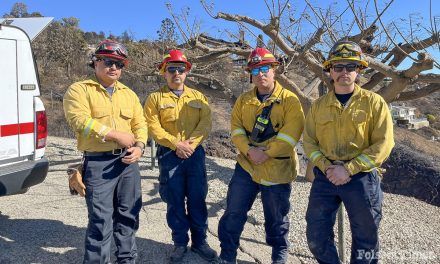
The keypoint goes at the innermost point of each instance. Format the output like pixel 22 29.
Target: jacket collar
pixel 166 91
pixel 94 81
pixel 273 97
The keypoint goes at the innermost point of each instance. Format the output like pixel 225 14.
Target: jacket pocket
pixel 324 123
pixel 193 109
pixel 127 113
pixel 100 112
pixel 195 104
pixel 280 170
pixel 359 119
pixel 167 113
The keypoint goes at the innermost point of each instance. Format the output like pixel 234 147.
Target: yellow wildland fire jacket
pixel 287 120
pixel 361 134
pixel 92 113
pixel 172 119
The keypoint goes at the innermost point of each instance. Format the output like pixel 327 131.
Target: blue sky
pixel 142 18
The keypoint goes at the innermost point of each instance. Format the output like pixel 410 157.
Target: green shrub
pixel 431 118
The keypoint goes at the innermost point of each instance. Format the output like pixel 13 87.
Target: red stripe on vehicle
pixel 16 129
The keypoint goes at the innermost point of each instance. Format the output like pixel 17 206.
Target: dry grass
pixel 417 142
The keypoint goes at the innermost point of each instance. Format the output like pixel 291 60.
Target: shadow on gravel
pixel 52 242
pixel 412 173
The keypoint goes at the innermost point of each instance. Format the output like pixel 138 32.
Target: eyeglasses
pixel 109 63
pixel 351 67
pixel 263 69
pixel 179 69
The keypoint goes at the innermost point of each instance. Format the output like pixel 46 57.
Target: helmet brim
pixel 262 63
pixel 328 63
pixel 113 56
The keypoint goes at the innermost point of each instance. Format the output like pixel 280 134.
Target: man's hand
pixel 125 140
pixel 184 149
pixel 257 155
pixel 337 174
pixel 76 184
pixel 134 154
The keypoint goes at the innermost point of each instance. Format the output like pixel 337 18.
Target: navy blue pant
pixel 362 198
pixel 241 195
pixel 180 179
pixel 113 197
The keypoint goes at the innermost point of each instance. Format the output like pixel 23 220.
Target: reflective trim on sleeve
pixel 367 161
pixel 286 138
pixel 103 128
pixel 315 154
pixel 89 126
pixel 238 131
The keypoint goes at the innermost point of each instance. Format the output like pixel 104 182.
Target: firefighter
pixel 111 132
pixel 266 124
pixel 179 119
pixel 348 135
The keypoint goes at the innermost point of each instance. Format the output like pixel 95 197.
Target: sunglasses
pixel 263 69
pixel 351 67
pixel 109 63
pixel 179 69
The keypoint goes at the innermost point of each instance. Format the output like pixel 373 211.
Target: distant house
pixel 405 116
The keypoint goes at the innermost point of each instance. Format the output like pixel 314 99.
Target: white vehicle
pixel 23 122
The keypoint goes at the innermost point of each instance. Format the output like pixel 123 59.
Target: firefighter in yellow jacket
pixel 111 132
pixel 179 119
pixel 348 134
pixel 266 124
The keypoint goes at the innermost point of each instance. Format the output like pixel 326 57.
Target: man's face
pixel 263 77
pixel 175 74
pixel 344 73
pixel 108 70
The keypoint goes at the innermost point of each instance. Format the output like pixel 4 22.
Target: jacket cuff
pixel 351 168
pixel 323 164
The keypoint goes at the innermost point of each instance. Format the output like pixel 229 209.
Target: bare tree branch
pixel 425 63
pixel 313 40
pixel 234 50
pixel 411 95
pixel 306 102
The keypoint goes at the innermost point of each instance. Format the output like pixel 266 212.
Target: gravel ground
pixel 47 225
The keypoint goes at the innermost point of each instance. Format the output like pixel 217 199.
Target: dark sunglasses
pixel 179 69
pixel 263 69
pixel 351 67
pixel 109 63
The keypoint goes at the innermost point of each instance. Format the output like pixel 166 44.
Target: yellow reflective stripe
pixel 89 125
pixel 103 128
pixel 267 183
pixel 286 138
pixel 238 131
pixel 315 154
pixel 367 161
